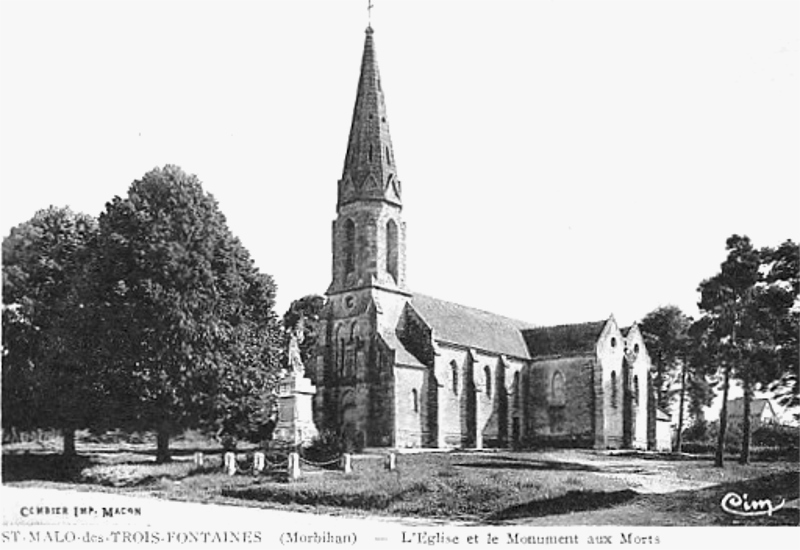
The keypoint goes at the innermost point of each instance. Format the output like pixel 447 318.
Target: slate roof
pixel 473 328
pixel 736 407
pixel 663 416
pixel 401 355
pixel 563 339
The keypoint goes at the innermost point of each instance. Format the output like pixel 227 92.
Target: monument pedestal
pixel 295 410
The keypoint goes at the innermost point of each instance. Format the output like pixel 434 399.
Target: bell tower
pixel 367 294
pixel 369 233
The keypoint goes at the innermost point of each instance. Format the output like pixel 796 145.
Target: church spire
pixel 369 167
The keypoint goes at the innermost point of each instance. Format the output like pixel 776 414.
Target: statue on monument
pixel 295 360
pixel 295 412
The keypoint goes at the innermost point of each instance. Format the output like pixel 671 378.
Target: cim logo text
pixel 741 505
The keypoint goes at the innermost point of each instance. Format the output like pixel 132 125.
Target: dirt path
pixel 646 477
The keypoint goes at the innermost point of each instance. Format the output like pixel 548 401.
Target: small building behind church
pixel 761 413
pixel 401 369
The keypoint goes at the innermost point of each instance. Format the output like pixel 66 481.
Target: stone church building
pixel 401 369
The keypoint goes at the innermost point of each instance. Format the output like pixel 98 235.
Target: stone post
pixel 230 463
pixel 391 462
pixel 259 461
pixel 347 463
pixel 199 459
pixel 294 466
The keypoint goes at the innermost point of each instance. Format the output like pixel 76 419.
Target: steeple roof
pixel 369 168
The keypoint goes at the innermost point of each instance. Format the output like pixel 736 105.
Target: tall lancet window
pixel 349 246
pixel 614 389
pixel 558 390
pixel 391 249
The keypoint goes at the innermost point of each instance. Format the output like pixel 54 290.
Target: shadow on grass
pixel 708 501
pixel 43 467
pixel 704 506
pixel 511 464
pixel 573 501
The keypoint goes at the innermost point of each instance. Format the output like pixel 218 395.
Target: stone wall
pixel 411 406
pixel 370 248
pixel 450 368
pixel 609 404
pixel 641 365
pixel 561 421
pixel 355 371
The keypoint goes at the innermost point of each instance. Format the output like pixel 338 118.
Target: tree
pixel 699 389
pixel 48 370
pixel 666 333
pixel 748 306
pixel 782 277
pixel 306 310
pixel 191 335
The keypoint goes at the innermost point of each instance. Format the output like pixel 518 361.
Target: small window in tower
pixel 635 390
pixel 636 348
pixel 613 342
pixel 388 157
pixel 383 119
pixel 391 249
pixel 487 376
pixel 454 369
pixel 370 152
pixel 515 389
pixel 349 246
pixel 614 389
pixel 415 400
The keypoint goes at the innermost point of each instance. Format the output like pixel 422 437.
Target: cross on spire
pixel 369 12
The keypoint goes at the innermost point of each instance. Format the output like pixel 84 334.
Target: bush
pixel 773 435
pixel 703 439
pixel 769 441
pixel 326 446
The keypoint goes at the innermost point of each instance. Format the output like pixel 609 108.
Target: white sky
pixel 560 161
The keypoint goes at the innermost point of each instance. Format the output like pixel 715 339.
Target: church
pixel 395 368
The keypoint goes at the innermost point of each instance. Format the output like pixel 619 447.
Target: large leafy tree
pixel 749 309
pixel 191 336
pixel 49 333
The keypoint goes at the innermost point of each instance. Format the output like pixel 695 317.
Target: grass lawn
pixel 559 487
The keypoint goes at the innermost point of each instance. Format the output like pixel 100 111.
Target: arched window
pixel 635 390
pixel 349 246
pixel 391 248
pixel 454 369
pixel 558 389
pixel 515 389
pixel 614 389
pixel 341 357
pixel 487 376
pixel 415 400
